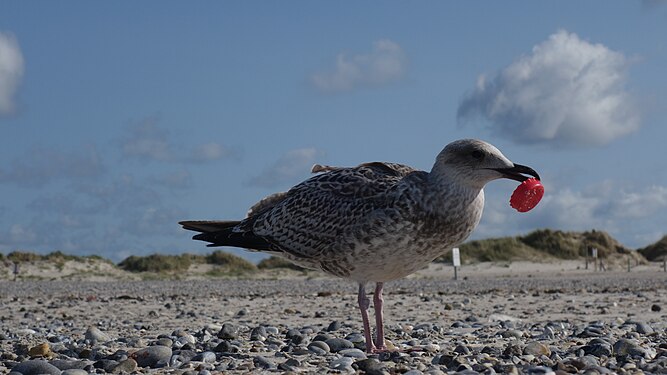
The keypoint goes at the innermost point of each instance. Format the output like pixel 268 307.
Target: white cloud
pixel 287 169
pixel 210 151
pixel 146 140
pixel 384 64
pixel 44 165
pixel 11 71
pixel 567 91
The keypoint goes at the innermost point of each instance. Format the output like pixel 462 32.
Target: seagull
pixel 375 222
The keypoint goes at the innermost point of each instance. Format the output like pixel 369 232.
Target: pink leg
pixel 364 304
pixel 377 304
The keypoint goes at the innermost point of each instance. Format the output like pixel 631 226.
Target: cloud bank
pixel 40 166
pixel 287 169
pixel 636 212
pixel 11 71
pixel 146 141
pixel 386 63
pixel 566 92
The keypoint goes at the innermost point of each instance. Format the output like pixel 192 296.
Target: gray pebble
pixel 342 364
pixel 74 371
pixel 319 347
pixel 338 344
pixel 598 347
pixel 334 326
pixel 125 367
pixel 272 330
pixel 643 328
pixel 153 356
pixel 536 348
pixel 625 347
pixel 36 367
pixel 66 364
pixel 258 334
pixel 94 335
pixel 228 331
pixel 354 353
pixel 322 337
pixel 263 362
pixel 291 364
pixel 206 357
pixel 372 366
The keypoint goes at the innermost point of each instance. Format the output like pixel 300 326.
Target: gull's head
pixel 474 163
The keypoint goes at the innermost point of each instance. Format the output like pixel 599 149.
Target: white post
pixel 456 261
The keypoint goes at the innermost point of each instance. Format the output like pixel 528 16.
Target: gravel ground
pixel 590 323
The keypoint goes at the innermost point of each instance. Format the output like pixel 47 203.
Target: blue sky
pixel 119 119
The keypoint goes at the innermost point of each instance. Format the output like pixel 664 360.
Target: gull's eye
pixel 477 154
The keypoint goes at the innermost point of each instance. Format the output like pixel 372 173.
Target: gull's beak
pixel 518 172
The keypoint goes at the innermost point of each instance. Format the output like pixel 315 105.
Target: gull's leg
pixel 364 304
pixel 377 304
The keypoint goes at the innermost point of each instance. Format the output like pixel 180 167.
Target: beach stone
pixel 206 357
pixel 643 328
pixel 271 330
pixel 655 308
pixel 598 347
pixel 338 344
pixel 263 362
pixel 41 350
pixel 228 331
pixel 258 334
pixel 164 341
pixel 536 348
pixel 36 367
pixel 291 365
pixel 354 353
pixel 372 366
pixel 226 347
pixel 626 347
pixel 94 335
pixel 105 364
pixel 74 371
pixel 319 347
pixel 334 326
pixel 322 337
pixel 152 356
pixel 462 349
pixel 343 364
pixel 127 366
pixel 512 334
pixel 536 370
pixel 70 364
pixel 178 361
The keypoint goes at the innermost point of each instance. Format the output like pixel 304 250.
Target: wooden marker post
pixel 456 261
pixel 594 254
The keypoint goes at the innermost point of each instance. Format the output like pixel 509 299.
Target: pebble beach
pixel 546 323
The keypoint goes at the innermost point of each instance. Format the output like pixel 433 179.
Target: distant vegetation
pixel 538 245
pixel 274 262
pixel 26 256
pixel 656 251
pixel 156 263
pixel 161 263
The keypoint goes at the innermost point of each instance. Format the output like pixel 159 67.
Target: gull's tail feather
pixel 222 233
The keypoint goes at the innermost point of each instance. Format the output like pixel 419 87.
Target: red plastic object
pixel 527 195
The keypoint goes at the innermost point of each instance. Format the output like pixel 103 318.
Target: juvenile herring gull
pixel 375 222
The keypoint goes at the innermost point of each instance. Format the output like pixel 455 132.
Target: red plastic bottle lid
pixel 527 195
